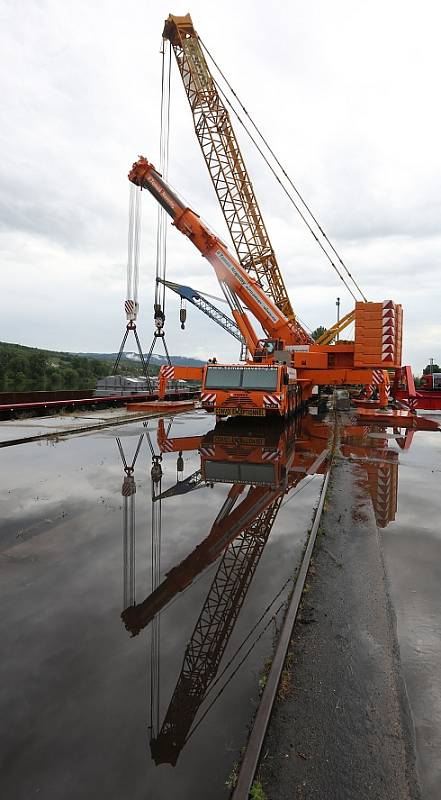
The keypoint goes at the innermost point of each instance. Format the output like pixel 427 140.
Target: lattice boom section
pixel 378 334
pixel 212 631
pixel 228 172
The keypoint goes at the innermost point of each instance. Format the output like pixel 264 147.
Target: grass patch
pixel 257 791
pixel 263 677
pixel 231 781
pixel 286 687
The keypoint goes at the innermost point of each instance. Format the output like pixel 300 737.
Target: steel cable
pixel 164 146
pixel 298 194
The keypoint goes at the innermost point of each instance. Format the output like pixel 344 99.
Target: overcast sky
pixel 346 92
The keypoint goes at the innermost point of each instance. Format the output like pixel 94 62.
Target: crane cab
pixel 250 390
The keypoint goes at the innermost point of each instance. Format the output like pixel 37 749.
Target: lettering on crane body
pixel 160 189
pixel 231 268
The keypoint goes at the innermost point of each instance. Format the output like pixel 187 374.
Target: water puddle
pixel 144 574
pixel 403 477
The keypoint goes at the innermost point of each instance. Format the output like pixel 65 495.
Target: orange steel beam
pixel 336 377
pixel 174 373
pixel 246 329
pixel 176 444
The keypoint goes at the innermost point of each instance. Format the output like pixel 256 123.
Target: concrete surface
pixel 343 730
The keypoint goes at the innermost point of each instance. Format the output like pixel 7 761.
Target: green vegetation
pixel 231 781
pixel 25 369
pixel 257 791
pixel 318 332
pixel 431 368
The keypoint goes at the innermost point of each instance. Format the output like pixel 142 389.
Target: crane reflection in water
pixel 263 467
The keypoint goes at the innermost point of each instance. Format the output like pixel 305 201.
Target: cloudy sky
pixel 346 92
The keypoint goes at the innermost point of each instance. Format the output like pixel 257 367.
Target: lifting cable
pixel 289 195
pixel 161 230
pixel 133 244
pixel 131 305
pixel 164 142
pixel 254 642
pixel 155 576
pixel 129 524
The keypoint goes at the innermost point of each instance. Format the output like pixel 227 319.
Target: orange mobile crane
pixel 287 364
pixel 281 373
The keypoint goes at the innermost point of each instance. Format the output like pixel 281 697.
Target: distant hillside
pixel 25 369
pixel 131 358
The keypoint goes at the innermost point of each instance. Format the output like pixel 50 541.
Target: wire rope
pixel 164 148
pixel 237 668
pixel 291 199
pixel 291 183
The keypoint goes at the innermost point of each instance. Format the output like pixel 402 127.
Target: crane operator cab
pixel 266 350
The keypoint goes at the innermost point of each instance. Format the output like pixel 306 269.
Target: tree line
pixel 24 369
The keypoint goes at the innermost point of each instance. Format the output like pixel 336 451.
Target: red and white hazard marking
pixel 167 446
pixel 167 373
pixel 271 401
pixel 207 451
pixel 412 403
pixel 209 399
pixel 270 455
pixel 383 486
pixel 131 308
pixel 129 486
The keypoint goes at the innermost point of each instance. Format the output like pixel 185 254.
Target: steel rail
pixel 250 760
pixel 118 399
pixel 110 423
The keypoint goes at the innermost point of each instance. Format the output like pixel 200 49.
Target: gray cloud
pixel 348 104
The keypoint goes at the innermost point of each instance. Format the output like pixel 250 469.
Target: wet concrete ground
pixel 361 714
pixel 412 551
pixel 28 428
pixel 83 704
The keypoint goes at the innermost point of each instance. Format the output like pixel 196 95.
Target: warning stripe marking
pixel 208 398
pixel 271 401
pixel 167 372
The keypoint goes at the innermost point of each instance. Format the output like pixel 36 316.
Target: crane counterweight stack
pixel 378 334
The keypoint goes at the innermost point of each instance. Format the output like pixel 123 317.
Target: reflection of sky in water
pixel 74 686
pixel 412 547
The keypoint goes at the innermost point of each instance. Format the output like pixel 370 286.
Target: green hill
pixel 24 369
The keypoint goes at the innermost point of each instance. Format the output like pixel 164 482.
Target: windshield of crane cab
pixel 257 378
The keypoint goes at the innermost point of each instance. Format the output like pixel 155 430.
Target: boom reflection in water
pixel 262 467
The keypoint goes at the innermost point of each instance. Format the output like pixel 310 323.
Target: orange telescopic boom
pixel 228 270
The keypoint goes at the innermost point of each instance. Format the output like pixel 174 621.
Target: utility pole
pixel 431 366
pixel 338 316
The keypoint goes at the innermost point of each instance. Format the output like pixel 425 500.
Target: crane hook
pixel 183 314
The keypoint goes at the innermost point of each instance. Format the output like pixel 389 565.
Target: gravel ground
pixel 342 729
